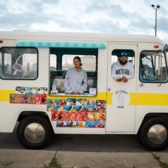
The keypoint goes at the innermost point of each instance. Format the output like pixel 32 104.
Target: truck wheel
pixel 154 134
pixel 34 132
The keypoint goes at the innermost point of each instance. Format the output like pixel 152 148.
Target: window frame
pixel 55 62
pixel 140 66
pixel 37 63
pixel 76 52
pixel 133 61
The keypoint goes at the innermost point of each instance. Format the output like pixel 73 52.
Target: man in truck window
pixel 76 78
pixel 122 70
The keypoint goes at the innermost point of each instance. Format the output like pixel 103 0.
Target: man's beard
pixel 123 63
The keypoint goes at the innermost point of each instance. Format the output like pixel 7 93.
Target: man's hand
pixel 119 80
pixel 78 93
pixel 124 79
pixel 72 92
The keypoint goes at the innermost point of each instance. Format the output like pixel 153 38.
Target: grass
pixel 6 164
pixel 162 164
pixel 53 163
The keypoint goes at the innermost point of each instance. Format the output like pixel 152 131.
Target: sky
pixel 99 16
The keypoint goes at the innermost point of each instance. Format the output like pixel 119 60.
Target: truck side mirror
pixel 166 48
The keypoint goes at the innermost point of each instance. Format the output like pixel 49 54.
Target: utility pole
pixel 156 8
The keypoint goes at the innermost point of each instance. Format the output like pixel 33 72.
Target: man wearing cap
pixel 122 70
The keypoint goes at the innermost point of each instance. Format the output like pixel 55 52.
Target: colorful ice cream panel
pixel 19 98
pixel 24 98
pixel 20 90
pixel 71 124
pixel 100 124
pixel 81 102
pixel 84 109
pixel 91 117
pixel 60 102
pixel 84 116
pixel 43 99
pixel 77 109
pixel 100 108
pixel 54 116
pixel 67 116
pixel 71 101
pixel 51 102
pixel 13 98
pixel 97 116
pixel 102 117
pixel 61 116
pixel 72 117
pixel 79 117
pixel 59 108
pixel 91 108
pixel 90 125
pixel 34 90
pixel 68 108
pixel 95 125
pixel 27 90
pixel 30 90
pixel 31 99
pixel 91 102
pixel 80 125
pixel 60 124
pixel 37 99
pixel 38 90
pixel 43 90
pixel 50 108
pixel 100 102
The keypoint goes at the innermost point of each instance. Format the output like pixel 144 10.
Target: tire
pixel 34 132
pixel 154 134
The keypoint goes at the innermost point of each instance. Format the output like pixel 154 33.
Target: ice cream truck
pixel 33 66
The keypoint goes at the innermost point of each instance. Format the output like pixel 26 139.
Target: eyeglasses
pixel 124 53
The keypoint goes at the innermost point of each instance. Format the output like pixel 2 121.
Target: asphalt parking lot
pixel 78 150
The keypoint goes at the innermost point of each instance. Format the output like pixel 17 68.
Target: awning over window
pixel 60 44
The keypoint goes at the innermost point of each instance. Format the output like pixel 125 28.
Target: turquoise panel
pixel 60 44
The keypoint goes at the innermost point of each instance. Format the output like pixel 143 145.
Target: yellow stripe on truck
pixel 100 96
pixel 5 95
pixel 149 99
pixel 143 99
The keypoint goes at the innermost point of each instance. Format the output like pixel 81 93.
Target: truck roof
pixel 83 37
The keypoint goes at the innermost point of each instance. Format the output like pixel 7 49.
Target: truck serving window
pixel 18 63
pixel 64 62
pixel 153 67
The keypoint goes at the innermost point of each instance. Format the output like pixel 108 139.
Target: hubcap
pixel 34 133
pixel 157 134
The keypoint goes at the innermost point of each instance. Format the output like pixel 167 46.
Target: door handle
pixel 109 89
pixel 141 84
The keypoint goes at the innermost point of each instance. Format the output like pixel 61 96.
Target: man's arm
pixel 83 88
pixel 113 74
pixel 66 83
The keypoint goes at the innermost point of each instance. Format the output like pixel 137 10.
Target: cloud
pixel 107 16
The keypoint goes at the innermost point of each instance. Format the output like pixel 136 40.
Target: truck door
pixel 121 97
